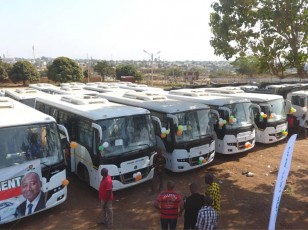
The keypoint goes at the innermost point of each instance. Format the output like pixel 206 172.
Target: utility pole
pixel 33 53
pixel 152 61
pixel 88 64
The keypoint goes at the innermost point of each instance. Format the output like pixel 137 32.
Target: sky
pixel 107 29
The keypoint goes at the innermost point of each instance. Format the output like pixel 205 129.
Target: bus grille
pixel 127 178
pixel 195 160
pixel 241 145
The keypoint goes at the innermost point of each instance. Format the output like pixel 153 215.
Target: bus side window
pixel 302 101
pixel 85 134
pixel 96 142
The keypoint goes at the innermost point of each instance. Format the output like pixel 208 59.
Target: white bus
pixel 234 131
pixel 24 95
pixel 30 145
pixel 105 135
pixel 299 100
pixel 271 124
pixel 185 131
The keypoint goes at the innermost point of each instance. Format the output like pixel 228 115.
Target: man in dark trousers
pixel 192 205
pixel 159 163
pixel 170 204
pixel 105 196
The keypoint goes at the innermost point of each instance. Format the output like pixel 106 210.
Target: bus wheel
pixel 83 174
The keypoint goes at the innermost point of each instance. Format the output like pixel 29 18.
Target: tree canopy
pixel 103 68
pixel 64 69
pixel 23 71
pixel 274 31
pixel 128 70
pixel 4 70
pixel 174 72
pixel 246 65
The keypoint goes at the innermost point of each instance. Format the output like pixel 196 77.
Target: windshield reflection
pixel 26 143
pixel 195 125
pixel 242 114
pixel 277 110
pixel 124 135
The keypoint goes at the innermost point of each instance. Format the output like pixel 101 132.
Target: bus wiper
pixel 139 145
pixel 46 165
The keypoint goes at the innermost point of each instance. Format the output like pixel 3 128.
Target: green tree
pixel 138 77
pixel 23 71
pixel 275 31
pixel 4 70
pixel 128 70
pixel 174 72
pixel 64 69
pixel 246 65
pixel 103 68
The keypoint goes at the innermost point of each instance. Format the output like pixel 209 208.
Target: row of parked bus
pixel 85 127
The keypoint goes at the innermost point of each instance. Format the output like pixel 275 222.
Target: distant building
pixel 128 78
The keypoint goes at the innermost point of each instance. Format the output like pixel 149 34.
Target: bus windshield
pixel 277 110
pixel 194 125
pixel 26 143
pixel 242 114
pixel 125 135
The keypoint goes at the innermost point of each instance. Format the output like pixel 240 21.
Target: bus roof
pixel 92 107
pixel 199 96
pixel 23 93
pixel 152 101
pixel 41 86
pixel 256 97
pixel 104 88
pixel 300 92
pixel 139 87
pixel 14 113
pixel 70 89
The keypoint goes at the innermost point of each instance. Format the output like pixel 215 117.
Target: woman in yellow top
pixel 213 190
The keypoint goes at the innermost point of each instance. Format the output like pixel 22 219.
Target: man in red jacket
pixel 105 196
pixel 170 204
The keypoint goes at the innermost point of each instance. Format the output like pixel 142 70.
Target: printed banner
pixel 283 173
pixel 15 183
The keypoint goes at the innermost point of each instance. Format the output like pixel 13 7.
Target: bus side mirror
pixel 64 131
pixel 99 129
pixel 288 106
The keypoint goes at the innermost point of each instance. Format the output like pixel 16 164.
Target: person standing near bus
pixel 159 163
pixel 213 190
pixel 105 195
pixel 170 204
pixel 302 126
pixel 207 215
pixel 192 205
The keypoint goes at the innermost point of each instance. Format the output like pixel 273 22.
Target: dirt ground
pixel 246 201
